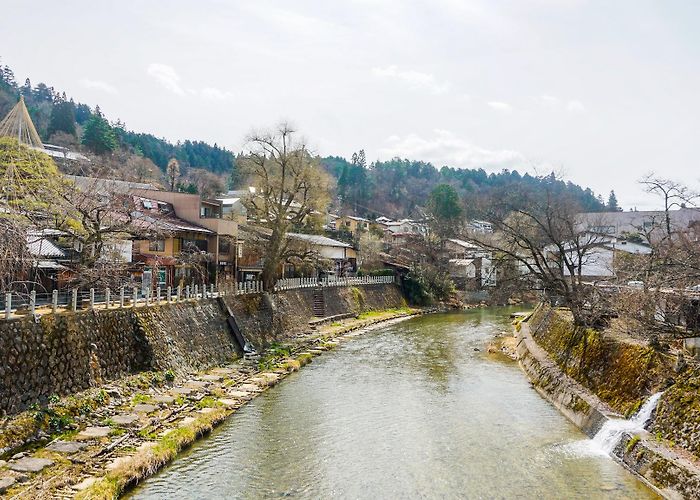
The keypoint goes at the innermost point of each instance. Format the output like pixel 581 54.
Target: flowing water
pixel 412 410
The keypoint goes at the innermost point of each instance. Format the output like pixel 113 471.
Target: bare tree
pixel 547 245
pixel 674 195
pixel 15 259
pixel 290 186
pixel 173 172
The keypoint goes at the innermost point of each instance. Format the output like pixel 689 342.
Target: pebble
pixel 228 402
pixel 205 410
pixel 212 378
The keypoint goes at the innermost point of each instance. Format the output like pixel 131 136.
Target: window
pixel 603 229
pixel 156 245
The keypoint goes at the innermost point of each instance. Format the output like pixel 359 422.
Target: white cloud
pixel 549 100
pixel 167 77
pixel 503 107
pixel 575 106
pixel 215 94
pixel 413 79
pixel 445 148
pixel 98 85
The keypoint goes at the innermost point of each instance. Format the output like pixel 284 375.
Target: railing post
pixel 211 290
pixel 158 295
pixel 8 305
pixel 74 300
pixel 147 296
pixel 135 298
pixel 187 292
pixel 169 292
pixel 196 292
pixel 32 302
pixel 107 298
pixel 92 299
pixel 121 297
pixel 179 293
pixel 54 301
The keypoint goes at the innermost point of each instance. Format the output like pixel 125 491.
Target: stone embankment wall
pixel 590 378
pixel 66 353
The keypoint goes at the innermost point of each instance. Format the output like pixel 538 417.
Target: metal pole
pixel 158 295
pixel 107 298
pixel 75 299
pixel 32 301
pixel 169 292
pixel 92 299
pixel 54 301
pixel 121 297
pixel 135 298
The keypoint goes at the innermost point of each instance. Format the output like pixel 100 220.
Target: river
pixel 417 409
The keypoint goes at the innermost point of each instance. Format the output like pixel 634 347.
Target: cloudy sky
pixel 601 91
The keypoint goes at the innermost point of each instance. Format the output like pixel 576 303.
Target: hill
pixel 395 188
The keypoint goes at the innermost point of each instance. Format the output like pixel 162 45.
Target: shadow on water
pixel 408 411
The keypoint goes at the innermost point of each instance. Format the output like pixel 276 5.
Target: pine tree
pixel 98 135
pixel 62 117
pixel 612 205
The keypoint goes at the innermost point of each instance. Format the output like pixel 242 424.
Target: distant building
pixel 621 224
pixel 352 224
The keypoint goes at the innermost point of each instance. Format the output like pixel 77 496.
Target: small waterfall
pixel 610 434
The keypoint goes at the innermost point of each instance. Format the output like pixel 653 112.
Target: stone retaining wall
pixel 66 353
pixel 672 475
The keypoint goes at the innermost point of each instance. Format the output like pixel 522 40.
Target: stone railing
pixel 292 283
pixel 34 303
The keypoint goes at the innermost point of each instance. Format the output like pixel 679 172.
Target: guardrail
pixel 35 303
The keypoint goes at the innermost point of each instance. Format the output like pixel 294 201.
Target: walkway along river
pixel 412 410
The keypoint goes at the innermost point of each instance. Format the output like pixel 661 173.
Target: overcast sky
pixel 601 91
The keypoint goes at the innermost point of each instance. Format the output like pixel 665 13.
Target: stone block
pixel 65 446
pixel 93 433
pixel 6 483
pixel 30 464
pixel 145 408
pixel 125 418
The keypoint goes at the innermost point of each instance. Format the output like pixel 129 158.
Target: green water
pixel 412 410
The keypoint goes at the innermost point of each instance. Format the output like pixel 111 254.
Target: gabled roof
pixel 317 239
pixel 463 244
pixel 39 246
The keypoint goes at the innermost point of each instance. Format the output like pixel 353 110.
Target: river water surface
pixel 411 410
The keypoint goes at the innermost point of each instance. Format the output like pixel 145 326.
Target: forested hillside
pixel 400 188
pixel 395 188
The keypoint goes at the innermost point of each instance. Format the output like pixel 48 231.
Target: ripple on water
pixel 408 411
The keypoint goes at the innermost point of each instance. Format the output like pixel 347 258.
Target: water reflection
pixel 410 411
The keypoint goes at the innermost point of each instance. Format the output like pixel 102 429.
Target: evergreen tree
pixel 62 117
pixel 612 205
pixel 98 135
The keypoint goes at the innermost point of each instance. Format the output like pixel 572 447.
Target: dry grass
pixel 150 459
